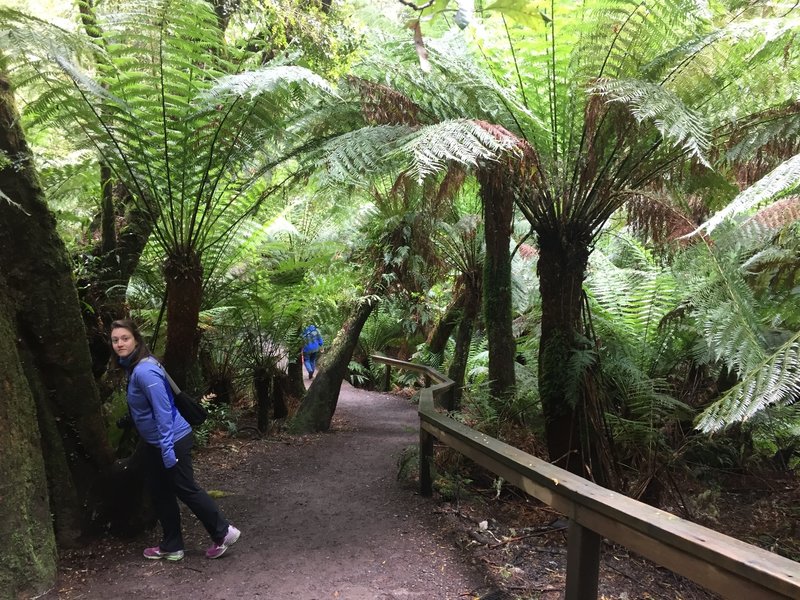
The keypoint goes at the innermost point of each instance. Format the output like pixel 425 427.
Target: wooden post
pixel 583 562
pixel 447 399
pixel 387 378
pixel 425 458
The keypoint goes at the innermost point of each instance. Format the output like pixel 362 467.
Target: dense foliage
pixel 283 164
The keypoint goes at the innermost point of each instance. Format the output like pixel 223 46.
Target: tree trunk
pixel 103 292
pixel 437 340
pixel 317 408
pixel 294 369
pixel 183 274
pixel 261 385
pixel 50 337
pixel 498 210
pixel 28 566
pixel 458 366
pixel 561 270
pixel 280 385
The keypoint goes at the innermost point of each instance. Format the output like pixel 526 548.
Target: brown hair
pixel 142 351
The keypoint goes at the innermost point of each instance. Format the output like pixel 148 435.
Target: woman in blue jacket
pixel 168 459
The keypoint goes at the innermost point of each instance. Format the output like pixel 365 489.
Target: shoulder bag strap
pixel 175 389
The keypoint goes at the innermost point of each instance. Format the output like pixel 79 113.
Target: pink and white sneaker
pixel 217 550
pixel 156 553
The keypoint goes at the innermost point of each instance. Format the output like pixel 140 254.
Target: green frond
pixel 776 381
pixel 772 258
pixel 350 156
pixel 266 80
pixel 776 126
pixel 781 180
pixel 652 102
pixel 462 141
pixel 632 301
pixel 461 244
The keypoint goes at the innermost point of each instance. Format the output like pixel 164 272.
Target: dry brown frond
pixel 449 186
pixel 382 105
pixel 522 164
pixel 653 216
pixel 771 154
pixel 779 214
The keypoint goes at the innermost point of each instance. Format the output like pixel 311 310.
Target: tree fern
pixel 751 323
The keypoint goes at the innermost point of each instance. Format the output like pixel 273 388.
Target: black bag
pixel 190 409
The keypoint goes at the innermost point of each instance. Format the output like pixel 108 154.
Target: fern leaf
pixel 652 102
pixel 775 382
pixel 782 179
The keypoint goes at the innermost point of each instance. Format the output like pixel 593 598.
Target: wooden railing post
pixel 425 459
pixel 387 378
pixel 583 562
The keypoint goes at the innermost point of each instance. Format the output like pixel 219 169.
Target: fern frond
pixel 266 80
pixel 782 179
pixel 652 102
pixel 462 141
pixel 354 154
pixel 776 381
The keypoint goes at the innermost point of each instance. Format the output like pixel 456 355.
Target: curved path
pixel 322 517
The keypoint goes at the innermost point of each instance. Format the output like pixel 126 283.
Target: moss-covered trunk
pixel 498 210
pixel 562 264
pixel 43 309
pixel 437 340
pixel 317 408
pixel 28 554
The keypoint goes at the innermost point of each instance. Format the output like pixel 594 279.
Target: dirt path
pixel 322 517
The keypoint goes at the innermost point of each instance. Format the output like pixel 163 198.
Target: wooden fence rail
pixel 717 562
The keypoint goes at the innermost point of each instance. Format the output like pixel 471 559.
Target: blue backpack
pixel 312 339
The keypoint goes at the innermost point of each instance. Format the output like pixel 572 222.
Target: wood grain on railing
pixel 720 563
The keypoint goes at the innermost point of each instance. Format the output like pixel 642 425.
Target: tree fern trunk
pixel 562 264
pixel 280 383
pixel 103 291
pixel 437 340
pixel 317 408
pixel 184 277
pixel 498 209
pixel 261 385
pixel 458 367
pixel 294 370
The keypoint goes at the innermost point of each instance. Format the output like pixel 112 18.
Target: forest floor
pixel 327 517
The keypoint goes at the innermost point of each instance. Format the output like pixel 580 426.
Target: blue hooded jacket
pixel 312 339
pixel 153 409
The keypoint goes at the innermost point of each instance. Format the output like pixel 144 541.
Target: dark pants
pixel 168 485
pixel 310 359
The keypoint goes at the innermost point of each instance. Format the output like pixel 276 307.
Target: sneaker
pixel 157 553
pixel 217 550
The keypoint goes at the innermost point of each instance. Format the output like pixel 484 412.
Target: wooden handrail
pixel 720 563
